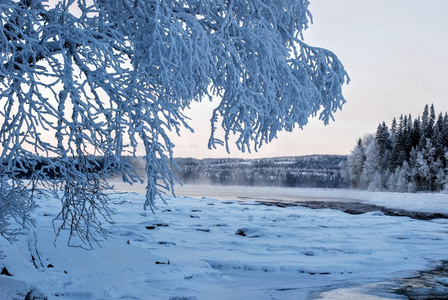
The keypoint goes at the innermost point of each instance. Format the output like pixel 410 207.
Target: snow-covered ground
pixel 202 248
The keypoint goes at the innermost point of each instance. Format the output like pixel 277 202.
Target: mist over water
pixel 244 193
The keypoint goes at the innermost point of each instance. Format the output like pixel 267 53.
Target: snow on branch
pixel 83 83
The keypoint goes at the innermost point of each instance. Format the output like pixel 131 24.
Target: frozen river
pixel 419 202
pixel 197 247
pixel 248 193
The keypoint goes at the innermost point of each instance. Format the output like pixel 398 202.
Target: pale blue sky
pixel 395 52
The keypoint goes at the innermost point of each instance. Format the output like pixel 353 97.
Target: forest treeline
pixel 296 171
pixel 409 156
pixel 300 171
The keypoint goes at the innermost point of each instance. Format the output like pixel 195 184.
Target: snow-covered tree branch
pixel 83 82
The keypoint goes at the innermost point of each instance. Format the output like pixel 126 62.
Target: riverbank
pixel 202 248
pixel 416 202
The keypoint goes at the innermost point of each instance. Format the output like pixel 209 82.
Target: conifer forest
pixel 409 156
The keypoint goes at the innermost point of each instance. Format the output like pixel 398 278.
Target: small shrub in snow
pixel 250 232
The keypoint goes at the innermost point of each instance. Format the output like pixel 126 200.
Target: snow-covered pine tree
pixel 415 134
pixel 398 153
pixel 394 127
pixel 399 180
pixel 444 129
pixel 427 166
pixel 408 137
pixel 432 120
pixel 86 79
pixel 382 138
pixel 443 175
pixel 372 175
pixel 428 122
pixel 355 165
pixel 425 119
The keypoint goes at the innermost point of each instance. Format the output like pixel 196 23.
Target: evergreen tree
pixel 443 178
pixel 439 147
pixel 393 127
pixel 372 177
pixel 424 125
pixel 411 157
pixel 383 142
pixel 427 167
pixel 413 165
pixel 445 130
pixel 425 117
pixel 400 180
pixel 416 133
pixel 432 120
pixel 355 165
pixel 428 122
pixel 398 154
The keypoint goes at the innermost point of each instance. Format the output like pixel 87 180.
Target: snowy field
pixel 202 248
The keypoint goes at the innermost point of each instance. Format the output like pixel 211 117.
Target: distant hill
pixel 298 171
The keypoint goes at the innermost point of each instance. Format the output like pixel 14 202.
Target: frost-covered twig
pixel 84 80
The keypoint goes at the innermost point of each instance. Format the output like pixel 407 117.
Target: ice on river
pixel 202 248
